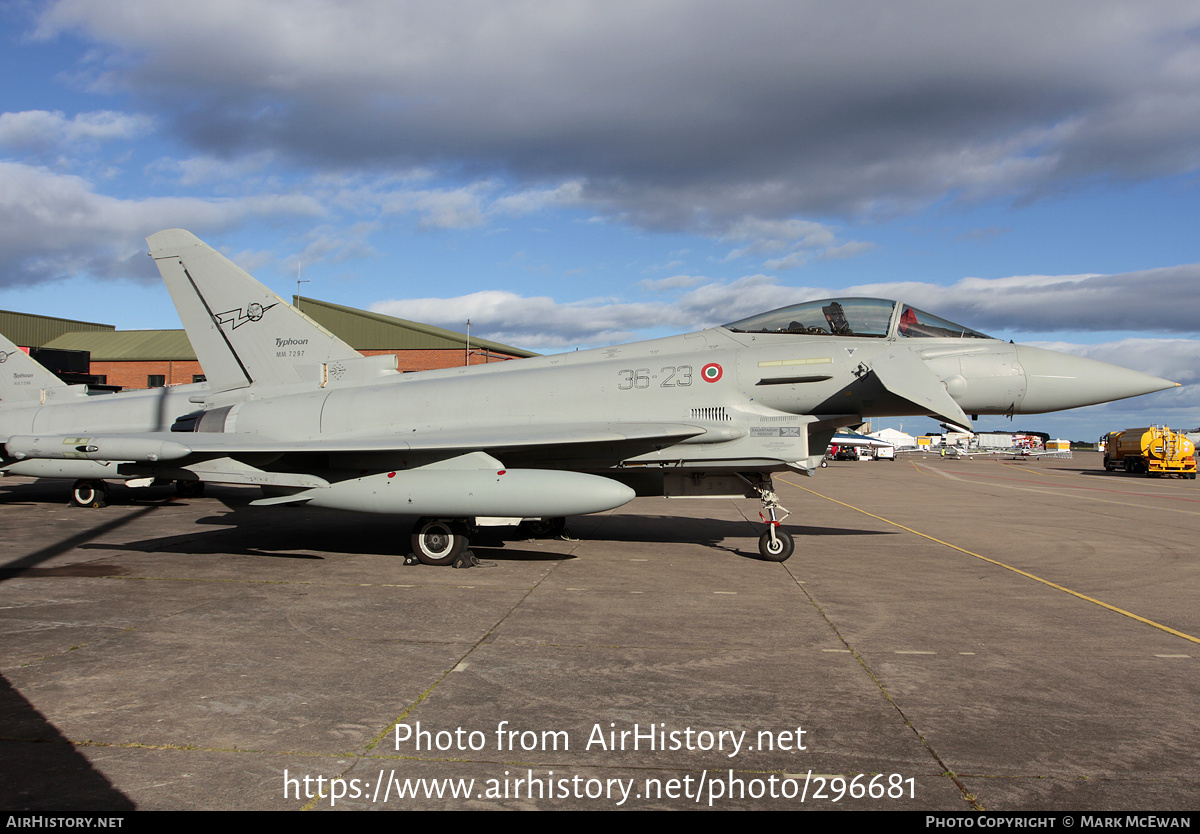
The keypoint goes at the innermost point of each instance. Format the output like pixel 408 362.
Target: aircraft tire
pixel 544 528
pixel 437 542
pixel 92 494
pixel 778 550
pixel 189 489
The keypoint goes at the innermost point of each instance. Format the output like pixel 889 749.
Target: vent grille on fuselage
pixel 716 414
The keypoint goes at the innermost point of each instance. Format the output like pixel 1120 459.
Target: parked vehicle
pixel 1153 451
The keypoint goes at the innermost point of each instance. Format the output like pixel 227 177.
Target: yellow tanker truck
pixel 1153 451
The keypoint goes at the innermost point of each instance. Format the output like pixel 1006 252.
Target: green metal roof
pixel 360 329
pixel 364 330
pixel 129 345
pixel 28 330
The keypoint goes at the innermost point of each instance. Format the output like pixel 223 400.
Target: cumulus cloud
pixel 1031 303
pixel 44 130
pixel 791 242
pixel 201 170
pixel 55 226
pixel 332 245
pixel 673 282
pixel 1173 359
pixel 1165 300
pixel 543 323
pixel 533 322
pixel 527 201
pixel 678 116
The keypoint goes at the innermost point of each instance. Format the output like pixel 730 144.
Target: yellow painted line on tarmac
pixel 1168 483
pixel 929 470
pixel 1026 574
pixel 1022 468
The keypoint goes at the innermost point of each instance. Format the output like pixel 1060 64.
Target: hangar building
pixel 154 358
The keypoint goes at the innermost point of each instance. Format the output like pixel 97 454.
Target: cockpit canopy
pixel 872 317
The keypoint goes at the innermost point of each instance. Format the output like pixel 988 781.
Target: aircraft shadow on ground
pixel 710 531
pixel 295 532
pixel 42 771
pixel 28 494
pixel 27 565
pixel 719 534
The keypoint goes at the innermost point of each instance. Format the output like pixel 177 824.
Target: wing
pixel 457 476
pixel 156 447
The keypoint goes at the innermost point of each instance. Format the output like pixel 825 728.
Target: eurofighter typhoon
pixel 707 414
pixel 34 400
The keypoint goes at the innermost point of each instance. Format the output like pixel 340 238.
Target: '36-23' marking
pixel 673 376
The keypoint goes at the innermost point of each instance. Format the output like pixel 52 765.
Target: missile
pixel 78 470
pixel 130 448
pixel 459 493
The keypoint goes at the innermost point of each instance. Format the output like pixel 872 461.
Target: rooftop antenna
pixel 298 283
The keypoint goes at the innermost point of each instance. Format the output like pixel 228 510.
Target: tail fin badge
pixel 254 312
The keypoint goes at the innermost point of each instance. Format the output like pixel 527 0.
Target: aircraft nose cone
pixel 1056 381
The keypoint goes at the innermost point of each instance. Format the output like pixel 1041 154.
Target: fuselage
pixel 762 393
pixel 66 411
pixel 758 389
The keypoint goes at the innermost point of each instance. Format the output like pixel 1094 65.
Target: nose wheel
pixel 776 545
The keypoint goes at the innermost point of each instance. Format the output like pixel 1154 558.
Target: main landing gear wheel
pixel 189 489
pixel 437 542
pixel 544 528
pixel 92 494
pixel 777 548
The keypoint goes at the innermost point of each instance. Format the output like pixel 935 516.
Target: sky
pixel 574 174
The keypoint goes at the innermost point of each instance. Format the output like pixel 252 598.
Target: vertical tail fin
pixel 242 333
pixel 23 381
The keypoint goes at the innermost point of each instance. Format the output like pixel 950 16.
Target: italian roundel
pixel 711 372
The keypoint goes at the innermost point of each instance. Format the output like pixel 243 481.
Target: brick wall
pixel 134 374
pixel 428 360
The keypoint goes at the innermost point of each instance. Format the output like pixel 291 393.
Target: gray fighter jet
pixel 33 400
pixel 707 414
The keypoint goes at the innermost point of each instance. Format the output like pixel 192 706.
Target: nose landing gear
pixel 775 545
